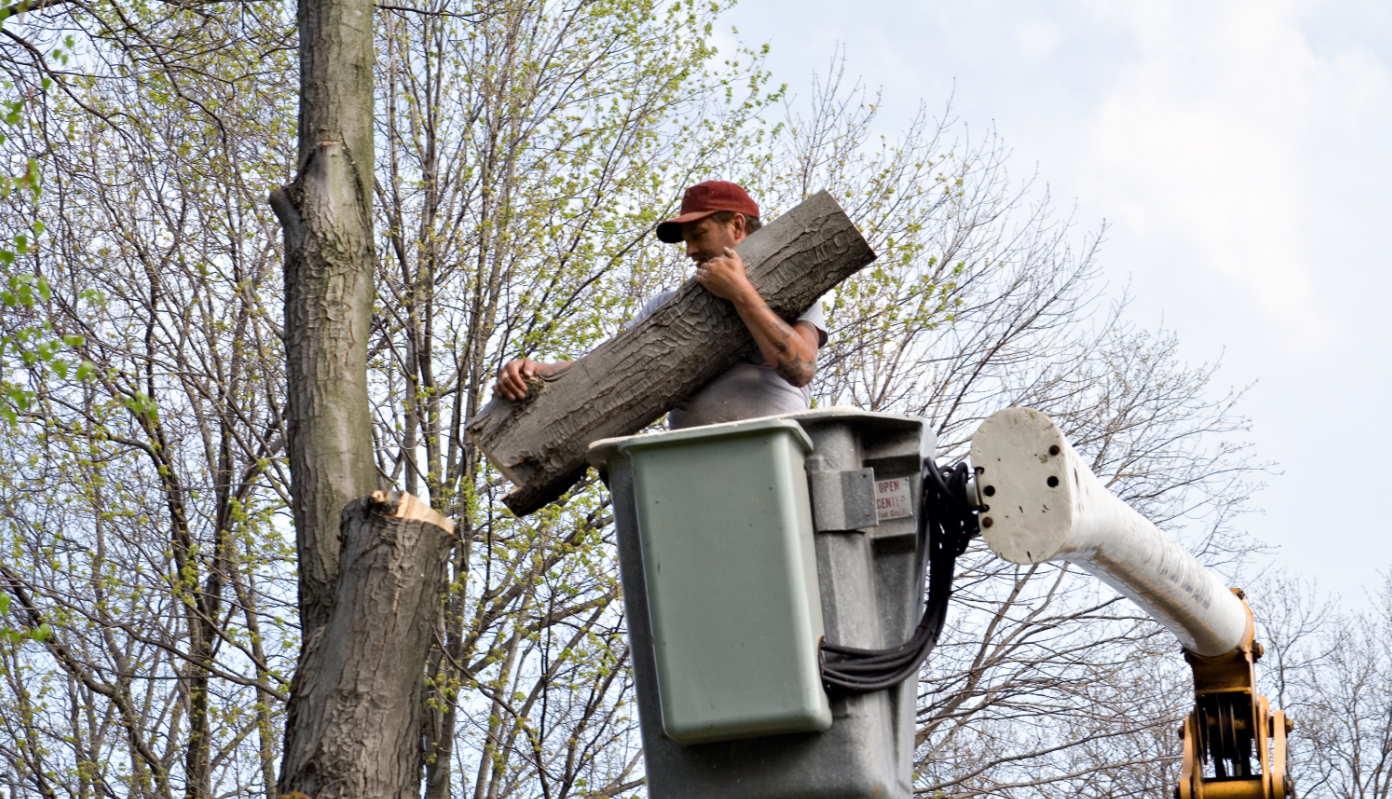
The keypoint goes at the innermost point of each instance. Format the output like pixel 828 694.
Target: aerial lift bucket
pixel 741 547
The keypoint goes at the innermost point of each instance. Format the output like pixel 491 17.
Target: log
pixel 632 379
pixel 354 721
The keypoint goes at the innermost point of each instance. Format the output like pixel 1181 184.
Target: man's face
pixel 706 239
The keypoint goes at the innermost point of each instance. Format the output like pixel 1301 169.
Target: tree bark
pixel 633 378
pixel 327 216
pixel 354 726
pixel 345 700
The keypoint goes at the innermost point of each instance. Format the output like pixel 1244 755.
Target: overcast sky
pixel 1238 152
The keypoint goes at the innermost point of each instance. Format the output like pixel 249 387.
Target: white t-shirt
pixel 749 389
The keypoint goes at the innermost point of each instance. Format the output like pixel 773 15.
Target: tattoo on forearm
pixel 785 336
pixel 797 371
pixel 786 362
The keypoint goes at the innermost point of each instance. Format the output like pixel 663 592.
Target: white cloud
pixel 1239 149
pixel 1036 37
pixel 1216 135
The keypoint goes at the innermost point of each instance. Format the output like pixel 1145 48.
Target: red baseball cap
pixel 704 199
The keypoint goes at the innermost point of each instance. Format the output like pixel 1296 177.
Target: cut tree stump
pixel 629 381
pixel 354 723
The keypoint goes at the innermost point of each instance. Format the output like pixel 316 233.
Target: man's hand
pixel 724 277
pixel 513 377
pixel 790 349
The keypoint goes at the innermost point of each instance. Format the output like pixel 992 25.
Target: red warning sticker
pixel 892 499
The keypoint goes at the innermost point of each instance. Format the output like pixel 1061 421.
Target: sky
pixel 1238 153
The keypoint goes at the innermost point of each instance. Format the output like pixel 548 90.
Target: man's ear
pixel 739 228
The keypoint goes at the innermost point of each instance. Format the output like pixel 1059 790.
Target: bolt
pixel 989 491
pixel 1054 450
pixel 986 522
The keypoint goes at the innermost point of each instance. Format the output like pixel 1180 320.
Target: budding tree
pixel 501 199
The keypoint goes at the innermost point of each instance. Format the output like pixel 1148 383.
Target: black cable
pixel 946 523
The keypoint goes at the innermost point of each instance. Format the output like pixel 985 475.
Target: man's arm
pixel 513 377
pixel 790 349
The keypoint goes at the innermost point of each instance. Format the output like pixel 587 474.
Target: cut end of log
pixel 498 408
pixel 411 508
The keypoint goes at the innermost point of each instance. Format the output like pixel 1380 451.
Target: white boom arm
pixel 1042 503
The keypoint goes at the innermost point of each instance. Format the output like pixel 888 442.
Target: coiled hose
pixel 946 523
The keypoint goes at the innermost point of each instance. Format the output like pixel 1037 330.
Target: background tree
pixel 523 153
pixel 1333 668
pixel 141 509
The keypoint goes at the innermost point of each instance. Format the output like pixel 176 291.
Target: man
pixel 773 377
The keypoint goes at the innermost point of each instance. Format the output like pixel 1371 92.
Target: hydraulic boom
pixel 1040 502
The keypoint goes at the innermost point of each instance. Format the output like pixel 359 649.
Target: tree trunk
pixel 633 378
pixel 327 216
pixel 353 690
pixel 354 726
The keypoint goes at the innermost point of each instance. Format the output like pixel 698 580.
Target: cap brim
pixel 670 231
